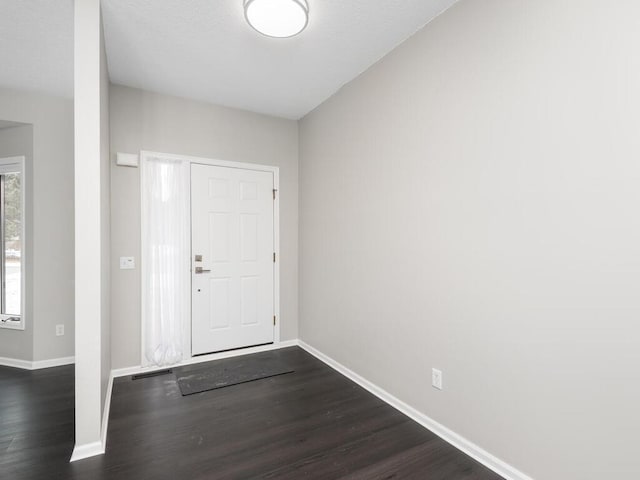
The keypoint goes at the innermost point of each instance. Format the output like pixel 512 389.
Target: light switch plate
pixel 59 330
pixel 127 263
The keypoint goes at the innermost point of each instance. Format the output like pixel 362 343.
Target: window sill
pixel 11 325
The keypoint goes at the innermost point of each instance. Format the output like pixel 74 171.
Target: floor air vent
pixel 152 374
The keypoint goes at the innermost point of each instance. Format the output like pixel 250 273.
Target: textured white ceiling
pixel 36 45
pixel 204 49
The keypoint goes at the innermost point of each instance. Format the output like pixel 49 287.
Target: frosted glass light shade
pixel 277 18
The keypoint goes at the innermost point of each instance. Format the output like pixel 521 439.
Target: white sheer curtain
pixel 165 258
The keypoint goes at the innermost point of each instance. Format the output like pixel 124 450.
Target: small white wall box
pixel 127 263
pixel 127 159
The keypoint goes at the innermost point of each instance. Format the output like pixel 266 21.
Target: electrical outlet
pixel 436 378
pixel 59 330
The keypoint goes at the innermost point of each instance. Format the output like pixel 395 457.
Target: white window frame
pixel 9 164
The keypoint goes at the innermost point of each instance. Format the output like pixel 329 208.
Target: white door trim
pixel 144 154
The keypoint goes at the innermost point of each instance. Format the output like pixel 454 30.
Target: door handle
pixel 201 270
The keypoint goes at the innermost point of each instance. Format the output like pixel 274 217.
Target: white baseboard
pixel 85 451
pixel 54 362
pixel 37 365
pixel 124 372
pixel 105 413
pixel 474 451
pixel 15 363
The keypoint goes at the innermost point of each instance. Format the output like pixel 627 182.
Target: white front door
pixel 232 247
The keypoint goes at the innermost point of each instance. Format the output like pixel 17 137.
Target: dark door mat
pixel 229 371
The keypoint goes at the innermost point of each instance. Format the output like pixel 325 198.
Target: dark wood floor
pixel 36 421
pixel 311 424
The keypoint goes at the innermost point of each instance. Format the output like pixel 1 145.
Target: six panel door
pixel 232 246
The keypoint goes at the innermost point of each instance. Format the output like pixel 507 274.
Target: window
pixel 11 242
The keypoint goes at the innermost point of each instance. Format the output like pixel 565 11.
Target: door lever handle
pixel 201 270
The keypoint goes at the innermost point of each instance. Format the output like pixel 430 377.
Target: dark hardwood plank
pixel 434 459
pixel 36 421
pixel 312 424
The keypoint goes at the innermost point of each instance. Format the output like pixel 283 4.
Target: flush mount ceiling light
pixel 277 18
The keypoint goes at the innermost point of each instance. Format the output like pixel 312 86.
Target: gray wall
pixel 470 203
pixel 146 121
pixel 18 141
pixel 50 267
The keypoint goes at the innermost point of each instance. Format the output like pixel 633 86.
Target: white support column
pixel 87 228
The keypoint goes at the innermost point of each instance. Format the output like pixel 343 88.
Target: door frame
pixel 190 160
